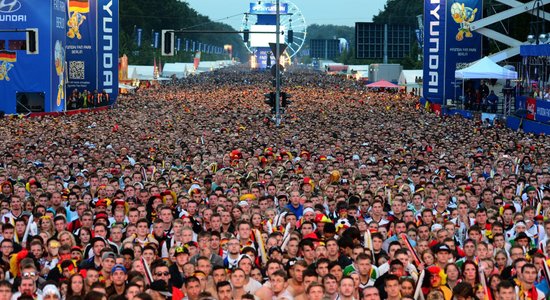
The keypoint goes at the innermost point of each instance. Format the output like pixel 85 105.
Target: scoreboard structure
pixel 49 48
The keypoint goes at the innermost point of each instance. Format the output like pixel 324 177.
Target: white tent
pixel 140 72
pixel 177 69
pixel 485 68
pixel 407 78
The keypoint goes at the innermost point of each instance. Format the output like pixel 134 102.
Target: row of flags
pixel 181 44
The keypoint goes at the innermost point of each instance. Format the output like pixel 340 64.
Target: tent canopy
pixel 382 84
pixel 485 68
pixel 407 77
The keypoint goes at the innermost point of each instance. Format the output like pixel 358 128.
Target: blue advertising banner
pixel 543 111
pixel 448 44
pixel 81 46
pixel 434 50
pixel 58 57
pixel 263 8
pixel 107 48
pixel 178 44
pixel 19 74
pixel 92 47
pixel 139 35
pixel 261 57
pixel 76 50
pixel 539 107
pixel 462 46
pixel 156 36
pixel 186 45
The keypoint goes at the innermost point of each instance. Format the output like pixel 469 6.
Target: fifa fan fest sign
pixel 92 46
pixel 76 47
pixel 449 44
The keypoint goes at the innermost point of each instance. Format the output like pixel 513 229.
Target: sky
pixel 337 12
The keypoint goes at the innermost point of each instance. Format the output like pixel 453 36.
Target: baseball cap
pixel 243 203
pixel 119 267
pixel 273 249
pixel 51 289
pixel 442 247
pixel 181 250
pixel 108 254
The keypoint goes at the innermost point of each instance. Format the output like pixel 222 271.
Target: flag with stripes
pixel 9 56
pixel 81 6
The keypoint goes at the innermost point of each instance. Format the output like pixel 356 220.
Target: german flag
pixel 81 6
pixel 8 56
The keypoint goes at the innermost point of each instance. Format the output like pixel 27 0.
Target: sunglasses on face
pixel 29 274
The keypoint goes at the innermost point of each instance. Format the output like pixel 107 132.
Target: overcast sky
pixel 337 12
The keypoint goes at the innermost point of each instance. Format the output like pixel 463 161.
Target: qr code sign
pixel 76 70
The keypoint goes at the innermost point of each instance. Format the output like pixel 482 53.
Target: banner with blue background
pixel 448 44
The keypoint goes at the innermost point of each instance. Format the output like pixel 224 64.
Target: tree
pixel 155 15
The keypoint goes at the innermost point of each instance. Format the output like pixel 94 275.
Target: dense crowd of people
pixel 188 190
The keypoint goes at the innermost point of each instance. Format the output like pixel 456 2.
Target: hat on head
pixel 436 227
pixel 103 202
pixel 311 236
pixel 273 249
pixel 441 248
pixel 342 224
pixel 522 235
pixel 51 289
pixel 291 262
pixel 108 254
pixel 244 256
pixel 243 203
pixel 103 216
pixel 192 244
pixel 119 267
pixel 181 250
pixel 76 248
pixel 308 180
pixel 322 218
pixel 308 210
pixel 521 223
pixel 121 202
pixel 530 189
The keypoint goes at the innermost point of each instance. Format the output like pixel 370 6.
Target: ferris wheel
pixel 292 20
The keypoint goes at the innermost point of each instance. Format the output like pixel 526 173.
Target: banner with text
pixel 448 44
pixel 107 48
pixel 30 81
pixel 92 46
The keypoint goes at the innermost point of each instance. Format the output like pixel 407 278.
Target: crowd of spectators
pixel 188 190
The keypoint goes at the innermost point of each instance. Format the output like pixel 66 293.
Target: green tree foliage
pixel 155 15
pixel 400 12
pixel 316 31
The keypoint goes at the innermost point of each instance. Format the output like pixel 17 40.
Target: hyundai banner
pixel 92 46
pixel 107 48
pixel 449 44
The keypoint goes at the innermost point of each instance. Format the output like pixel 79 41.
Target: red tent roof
pixel 382 84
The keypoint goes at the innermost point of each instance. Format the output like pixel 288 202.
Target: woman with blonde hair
pixel 45 224
pixel 66 238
